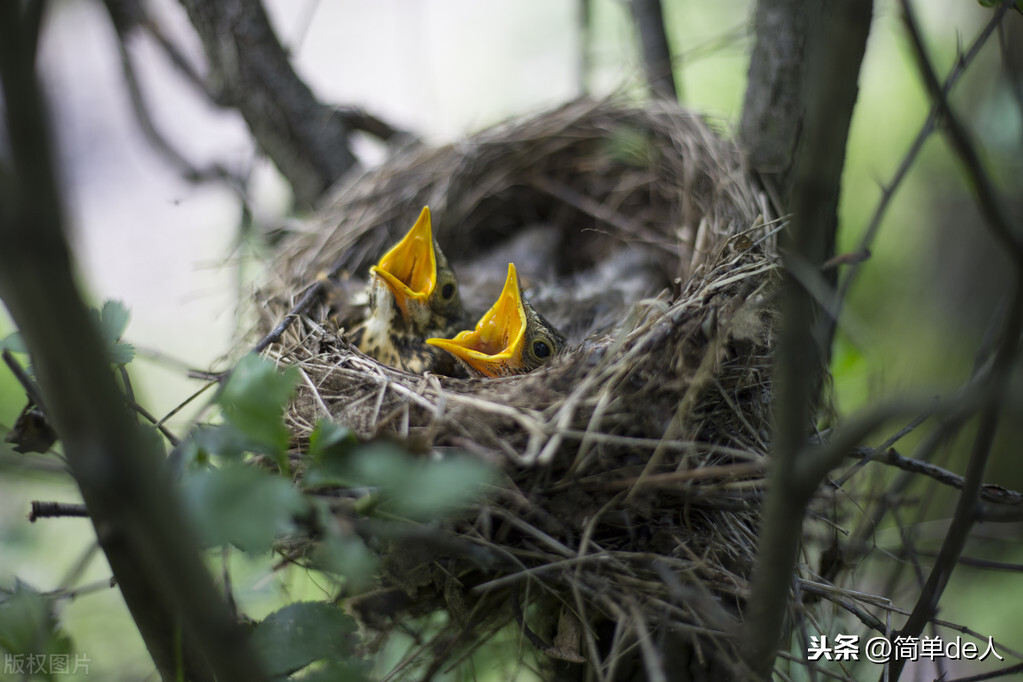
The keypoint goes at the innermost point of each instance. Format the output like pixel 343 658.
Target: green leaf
pixel 330 445
pixel 29 625
pixel 253 401
pixel 120 353
pixel 329 439
pixel 302 633
pixel 240 505
pixel 13 343
pixel 344 554
pixel 998 3
pixel 348 557
pixel 113 321
pixel 350 671
pixel 418 487
pixel 206 441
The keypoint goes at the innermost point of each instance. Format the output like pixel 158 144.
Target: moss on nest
pixel 633 462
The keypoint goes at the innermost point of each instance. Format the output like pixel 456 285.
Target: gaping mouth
pixel 409 269
pixel 494 347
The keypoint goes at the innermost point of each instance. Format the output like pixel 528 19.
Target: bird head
pixel 416 276
pixel 510 338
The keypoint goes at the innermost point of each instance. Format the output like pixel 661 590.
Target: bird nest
pixel 632 464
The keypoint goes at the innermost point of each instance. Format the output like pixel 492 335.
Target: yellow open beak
pixel 410 268
pixel 494 347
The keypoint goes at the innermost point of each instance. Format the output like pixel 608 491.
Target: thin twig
pixel 158 423
pixel 988 493
pixel 928 127
pixel 52 510
pixel 31 389
pixel 1005 356
pixel 991 675
pixel 993 210
pixel 149 129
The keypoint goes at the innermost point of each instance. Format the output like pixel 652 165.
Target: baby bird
pixel 510 338
pixel 413 295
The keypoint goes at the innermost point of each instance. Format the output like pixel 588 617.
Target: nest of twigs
pixel 626 518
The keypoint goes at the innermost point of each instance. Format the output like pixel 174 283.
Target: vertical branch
pixel 583 17
pixel 772 114
pixel 834 58
pixel 137 518
pixel 648 15
pixel 250 71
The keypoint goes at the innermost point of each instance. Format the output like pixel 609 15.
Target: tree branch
pixel 996 495
pixel 648 15
pixel 968 507
pixel 991 207
pixel 772 114
pixel 53 510
pixel 117 466
pixel 928 127
pixel 833 59
pixel 249 71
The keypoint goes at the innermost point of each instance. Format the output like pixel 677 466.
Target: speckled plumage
pixel 510 338
pixel 413 294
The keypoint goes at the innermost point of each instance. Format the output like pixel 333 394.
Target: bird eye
pixel 541 349
pixel 447 291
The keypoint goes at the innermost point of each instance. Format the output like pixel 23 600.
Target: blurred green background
pixel 173 252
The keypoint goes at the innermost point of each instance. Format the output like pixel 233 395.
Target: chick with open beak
pixel 510 338
pixel 413 295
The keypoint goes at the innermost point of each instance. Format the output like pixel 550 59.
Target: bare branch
pixel 989 493
pixel 990 204
pixel 149 130
pixel 52 510
pixel 968 505
pixel 772 114
pixel 928 127
pixel 357 118
pixel 830 90
pixel 249 70
pixel 648 15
